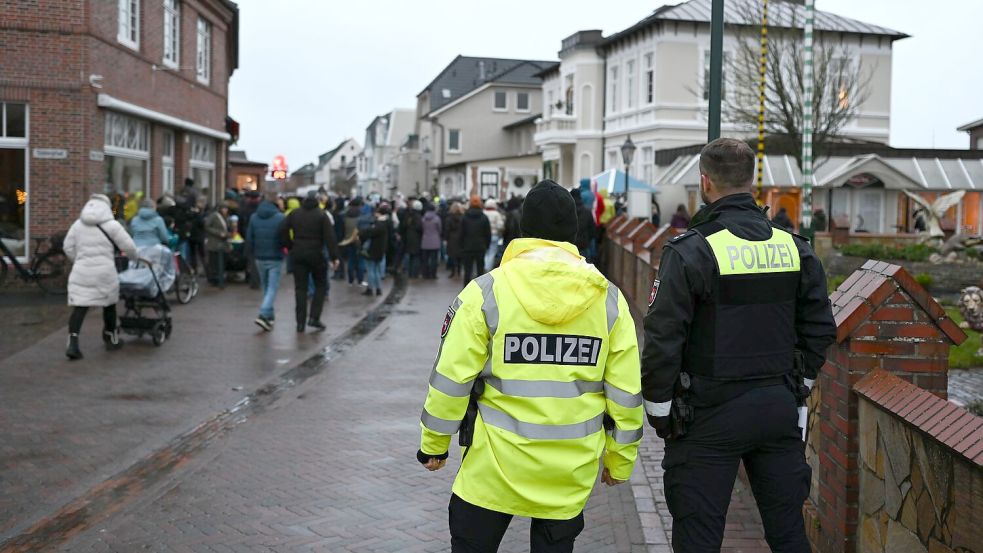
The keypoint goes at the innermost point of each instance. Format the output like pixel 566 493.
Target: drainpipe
pixel 433 121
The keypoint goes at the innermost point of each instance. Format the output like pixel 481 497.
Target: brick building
pixel 246 175
pixel 126 96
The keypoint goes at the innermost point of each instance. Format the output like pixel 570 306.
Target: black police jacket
pixel 683 314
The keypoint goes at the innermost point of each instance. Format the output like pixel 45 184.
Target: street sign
pixel 50 153
pixel 279 174
pixel 279 171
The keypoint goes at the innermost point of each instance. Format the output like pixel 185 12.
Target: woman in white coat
pixel 93 281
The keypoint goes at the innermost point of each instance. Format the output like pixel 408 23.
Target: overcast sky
pixel 313 72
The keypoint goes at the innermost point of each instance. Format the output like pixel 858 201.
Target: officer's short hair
pixel 728 162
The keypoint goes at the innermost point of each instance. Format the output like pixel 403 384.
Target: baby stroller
pixel 235 261
pixel 142 287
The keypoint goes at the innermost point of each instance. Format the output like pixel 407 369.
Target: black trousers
pixel 216 267
pixel 78 317
pixel 478 530
pixel 758 428
pixel 306 268
pixel 474 266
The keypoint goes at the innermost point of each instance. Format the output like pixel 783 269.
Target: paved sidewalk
pixel 332 467
pixel 66 427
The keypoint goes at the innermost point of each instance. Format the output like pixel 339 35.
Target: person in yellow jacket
pixel 548 347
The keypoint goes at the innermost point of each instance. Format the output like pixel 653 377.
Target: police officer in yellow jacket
pixel 551 346
pixel 737 328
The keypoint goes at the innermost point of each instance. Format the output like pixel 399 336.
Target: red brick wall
pixel 885 321
pixel 49 50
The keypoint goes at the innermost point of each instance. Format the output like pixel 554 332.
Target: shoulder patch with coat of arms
pixel 654 292
pixel 448 318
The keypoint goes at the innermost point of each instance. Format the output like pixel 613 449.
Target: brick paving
pixel 332 466
pixel 743 533
pixel 65 427
pixel 27 314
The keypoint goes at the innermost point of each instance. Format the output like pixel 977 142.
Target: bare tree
pixel 841 84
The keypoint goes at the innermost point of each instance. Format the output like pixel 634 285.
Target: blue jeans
pixel 356 264
pixel 491 253
pixel 375 270
pixel 269 282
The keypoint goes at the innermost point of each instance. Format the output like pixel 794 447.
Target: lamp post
pixel 627 154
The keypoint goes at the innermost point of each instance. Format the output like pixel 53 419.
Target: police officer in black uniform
pixel 737 330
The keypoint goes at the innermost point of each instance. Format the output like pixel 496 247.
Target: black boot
pixel 73 352
pixel 111 339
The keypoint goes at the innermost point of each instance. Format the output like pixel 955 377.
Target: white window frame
pixel 649 78
pixel 167 162
pixel 705 84
pixel 528 102
pixel 613 92
pixel 459 141
pixel 648 164
pixel 128 25
pixel 505 95
pixel 172 33
pixel 126 136
pixel 630 84
pixel 203 59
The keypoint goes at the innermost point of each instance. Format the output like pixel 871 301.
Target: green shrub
pixel 976 407
pixel 833 282
pixel 912 252
pixel 924 279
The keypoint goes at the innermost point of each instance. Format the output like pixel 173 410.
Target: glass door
pixel 13 200
pixel 869 212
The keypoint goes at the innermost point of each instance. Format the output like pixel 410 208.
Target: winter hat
pixel 417 205
pixel 549 213
pixel 384 208
pixel 475 202
pixel 166 201
pixel 491 204
pixel 101 198
pixel 146 203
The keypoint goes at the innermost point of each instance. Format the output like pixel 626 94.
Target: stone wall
pixel 947 279
pixel 921 483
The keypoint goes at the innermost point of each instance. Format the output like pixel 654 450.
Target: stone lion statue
pixel 971 308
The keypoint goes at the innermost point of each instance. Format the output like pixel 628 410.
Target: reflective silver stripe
pixel 612 306
pixel 622 397
pixel 627 436
pixel 494 417
pixel 438 424
pixel 543 388
pixel 488 304
pixel 658 409
pixel 448 386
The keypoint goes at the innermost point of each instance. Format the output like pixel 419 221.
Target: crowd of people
pixel 318 238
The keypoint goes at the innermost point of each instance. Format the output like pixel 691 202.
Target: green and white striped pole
pixel 807 118
pixel 762 84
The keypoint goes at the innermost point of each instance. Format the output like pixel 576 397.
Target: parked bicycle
pixel 186 284
pixel 49 267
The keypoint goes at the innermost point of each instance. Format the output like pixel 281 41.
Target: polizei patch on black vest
pixel 552 349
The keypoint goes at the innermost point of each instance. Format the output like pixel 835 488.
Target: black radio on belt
pixel 466 434
pixel 681 412
pixel 797 379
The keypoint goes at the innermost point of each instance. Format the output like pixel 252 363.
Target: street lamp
pixel 627 154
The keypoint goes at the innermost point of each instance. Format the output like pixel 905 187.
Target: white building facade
pixel 648 82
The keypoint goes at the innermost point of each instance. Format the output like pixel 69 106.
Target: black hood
pixel 474 212
pixel 309 203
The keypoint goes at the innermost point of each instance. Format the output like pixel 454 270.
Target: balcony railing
pixel 557 123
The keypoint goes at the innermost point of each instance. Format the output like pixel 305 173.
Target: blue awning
pixel 613 180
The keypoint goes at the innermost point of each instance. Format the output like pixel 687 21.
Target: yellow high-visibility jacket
pixel 556 349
